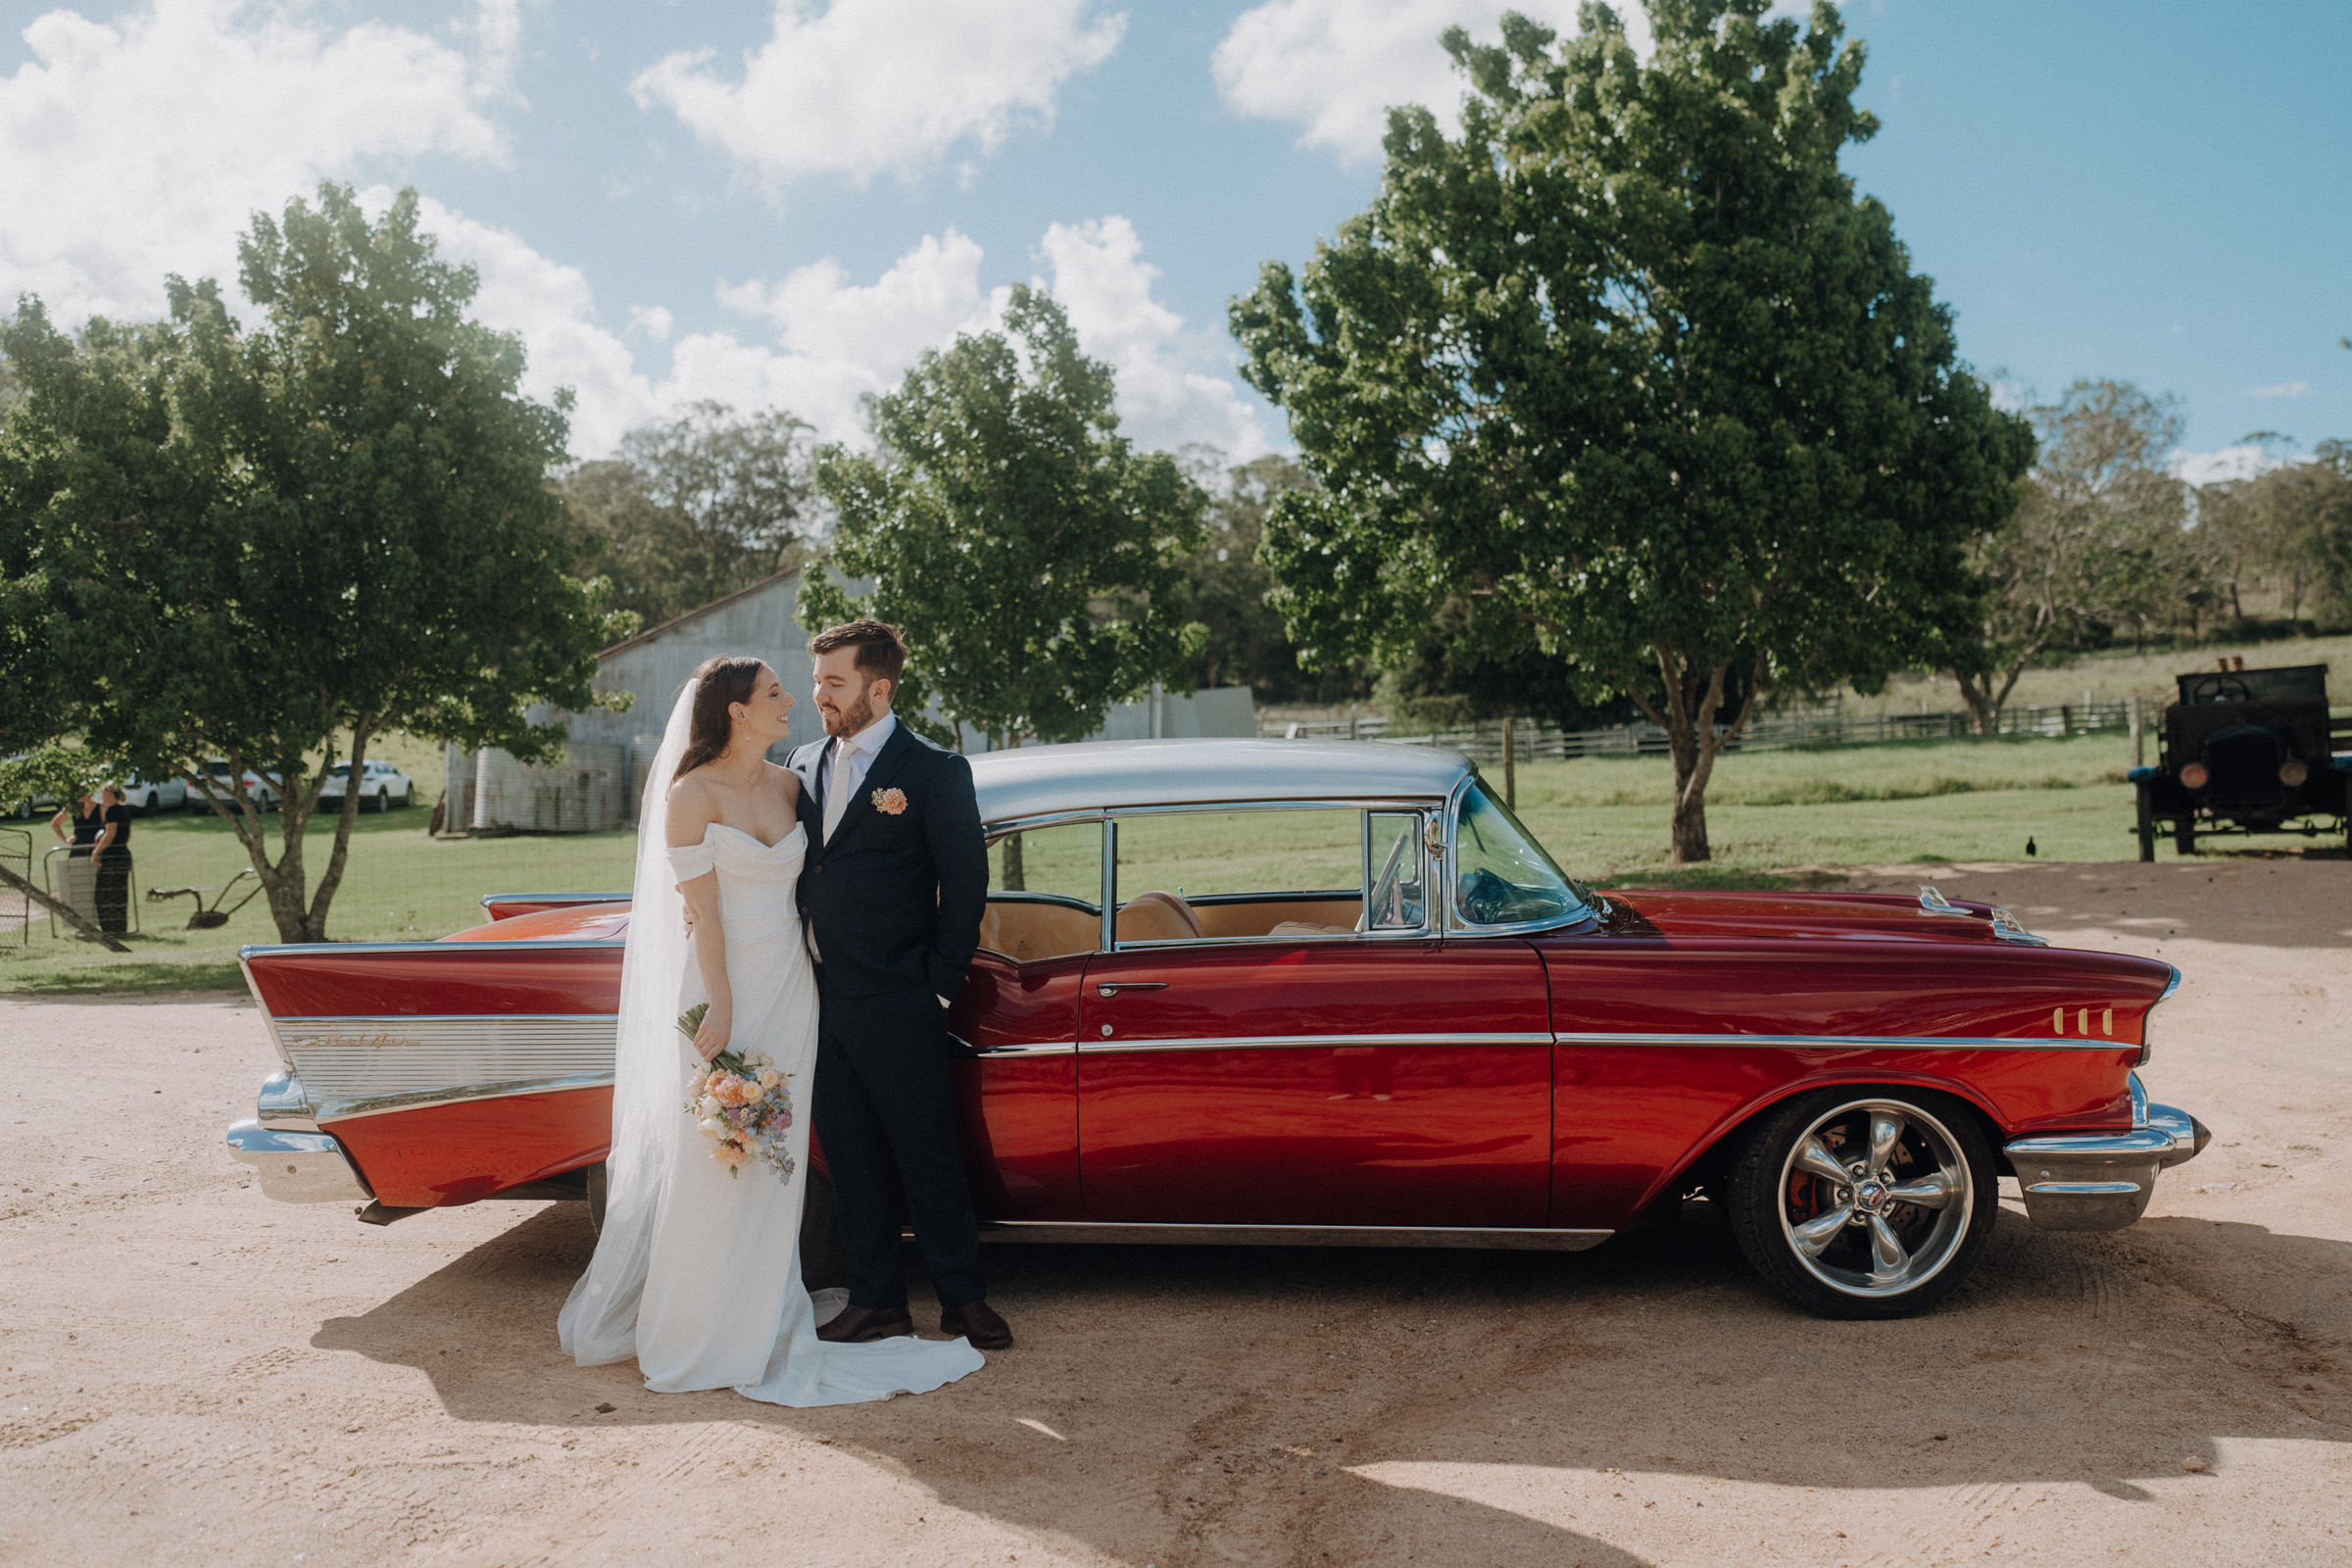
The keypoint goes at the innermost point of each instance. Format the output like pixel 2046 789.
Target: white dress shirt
pixel 848 758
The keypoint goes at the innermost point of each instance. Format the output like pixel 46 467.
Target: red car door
pixel 1234 1074
pixel 1016 1022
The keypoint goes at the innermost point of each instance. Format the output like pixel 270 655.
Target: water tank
pixel 583 793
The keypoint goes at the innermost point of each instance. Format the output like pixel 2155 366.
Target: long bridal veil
pixel 599 1321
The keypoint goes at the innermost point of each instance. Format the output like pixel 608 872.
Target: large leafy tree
pixel 1028 551
pixel 275 545
pixel 694 508
pixel 1629 360
pixel 2095 541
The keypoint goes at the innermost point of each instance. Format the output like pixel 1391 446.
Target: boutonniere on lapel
pixel 890 802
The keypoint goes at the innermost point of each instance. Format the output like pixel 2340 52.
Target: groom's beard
pixel 847 718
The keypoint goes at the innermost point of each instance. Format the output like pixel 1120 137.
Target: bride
pixel 697 1272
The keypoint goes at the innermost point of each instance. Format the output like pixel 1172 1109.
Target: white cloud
pixel 551 306
pixel 1337 65
pixel 838 340
pixel 651 322
pixel 1166 395
pixel 870 86
pixel 2284 389
pixel 142 146
pixel 2242 462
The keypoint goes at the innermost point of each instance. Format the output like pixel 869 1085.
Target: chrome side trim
pixel 1844 1042
pixel 1097 1048
pixel 2139 1099
pixel 484 945
pixel 491 901
pixel 2148 1019
pixel 1154 1235
pixel 297 1167
pixel 354 1106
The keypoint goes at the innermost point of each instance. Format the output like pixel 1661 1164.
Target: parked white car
pixel 382 787
pixel 150 796
pixel 263 792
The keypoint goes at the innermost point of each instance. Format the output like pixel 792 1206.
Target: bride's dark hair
pixel 718 682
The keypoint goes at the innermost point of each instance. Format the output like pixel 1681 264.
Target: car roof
pixel 1045 780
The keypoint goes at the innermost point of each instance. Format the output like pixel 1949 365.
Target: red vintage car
pixel 1296 993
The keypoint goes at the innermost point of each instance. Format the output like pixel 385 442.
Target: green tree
pixel 1225 587
pixel 273 546
pixel 1630 359
pixel 2289 526
pixel 2094 541
pixel 694 508
pixel 1029 554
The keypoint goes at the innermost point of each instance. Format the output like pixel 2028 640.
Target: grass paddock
pixel 1773 818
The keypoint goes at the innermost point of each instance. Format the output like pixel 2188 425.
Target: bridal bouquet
pixel 741 1104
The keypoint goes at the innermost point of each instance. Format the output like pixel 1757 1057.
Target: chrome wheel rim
pixel 1875 1198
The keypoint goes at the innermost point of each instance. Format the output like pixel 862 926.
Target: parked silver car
pixel 150 796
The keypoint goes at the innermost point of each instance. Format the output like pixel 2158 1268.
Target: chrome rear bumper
pixel 2103 1181
pixel 298 1167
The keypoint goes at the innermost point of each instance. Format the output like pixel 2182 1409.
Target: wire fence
pixel 1825 725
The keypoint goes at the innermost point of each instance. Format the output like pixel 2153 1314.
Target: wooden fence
pixel 1826 725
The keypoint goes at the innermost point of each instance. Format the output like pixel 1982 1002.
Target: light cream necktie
pixel 837 796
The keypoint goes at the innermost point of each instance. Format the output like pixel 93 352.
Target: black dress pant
pixel 886 1116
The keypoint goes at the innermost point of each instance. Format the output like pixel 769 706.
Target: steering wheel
pixel 2219 687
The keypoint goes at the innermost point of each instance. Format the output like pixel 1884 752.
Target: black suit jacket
pixel 896 899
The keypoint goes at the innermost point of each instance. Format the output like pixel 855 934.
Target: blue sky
pixel 787 205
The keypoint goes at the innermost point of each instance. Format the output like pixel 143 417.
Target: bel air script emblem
pixel 358 1043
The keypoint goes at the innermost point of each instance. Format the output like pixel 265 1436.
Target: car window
pixel 1045 892
pixel 1392 872
pixel 1503 877
pixel 1269 872
pixel 1205 854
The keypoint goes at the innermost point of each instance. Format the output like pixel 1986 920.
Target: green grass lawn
pixel 399 885
pixel 1604 818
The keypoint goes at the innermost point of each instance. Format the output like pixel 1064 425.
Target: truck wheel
pixel 1860 1204
pixel 2148 824
pixel 597 1185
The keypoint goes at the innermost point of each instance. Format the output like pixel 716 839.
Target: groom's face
pixel 848 698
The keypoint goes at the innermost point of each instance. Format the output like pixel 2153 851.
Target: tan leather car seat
pixel 1156 917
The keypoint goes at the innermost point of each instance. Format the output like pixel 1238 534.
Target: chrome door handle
pixel 1111 988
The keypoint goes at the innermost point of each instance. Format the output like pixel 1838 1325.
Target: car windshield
pixel 1504 877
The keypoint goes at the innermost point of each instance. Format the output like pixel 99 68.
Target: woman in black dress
pixel 110 857
pixel 98 871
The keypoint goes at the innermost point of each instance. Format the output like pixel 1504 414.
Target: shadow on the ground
pixel 1459 1406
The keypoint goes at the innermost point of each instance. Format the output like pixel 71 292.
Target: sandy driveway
pixel 193 1374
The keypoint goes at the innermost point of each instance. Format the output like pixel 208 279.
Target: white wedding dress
pixel 697 1272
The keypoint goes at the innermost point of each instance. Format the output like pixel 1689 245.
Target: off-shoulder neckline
pixel 796 828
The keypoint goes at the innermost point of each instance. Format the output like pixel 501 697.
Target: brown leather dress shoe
pixel 977 1322
pixel 854 1325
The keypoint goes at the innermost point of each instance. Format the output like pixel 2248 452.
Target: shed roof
pixel 697 612
pixel 1040 780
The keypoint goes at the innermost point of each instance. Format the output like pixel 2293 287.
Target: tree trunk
pixel 1984 713
pixel 1690 725
pixel 1014 876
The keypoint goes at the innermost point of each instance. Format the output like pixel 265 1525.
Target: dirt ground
pixel 194 1374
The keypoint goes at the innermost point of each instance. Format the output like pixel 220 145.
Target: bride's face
pixel 764 718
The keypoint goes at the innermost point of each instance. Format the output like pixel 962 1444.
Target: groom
pixel 891 893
